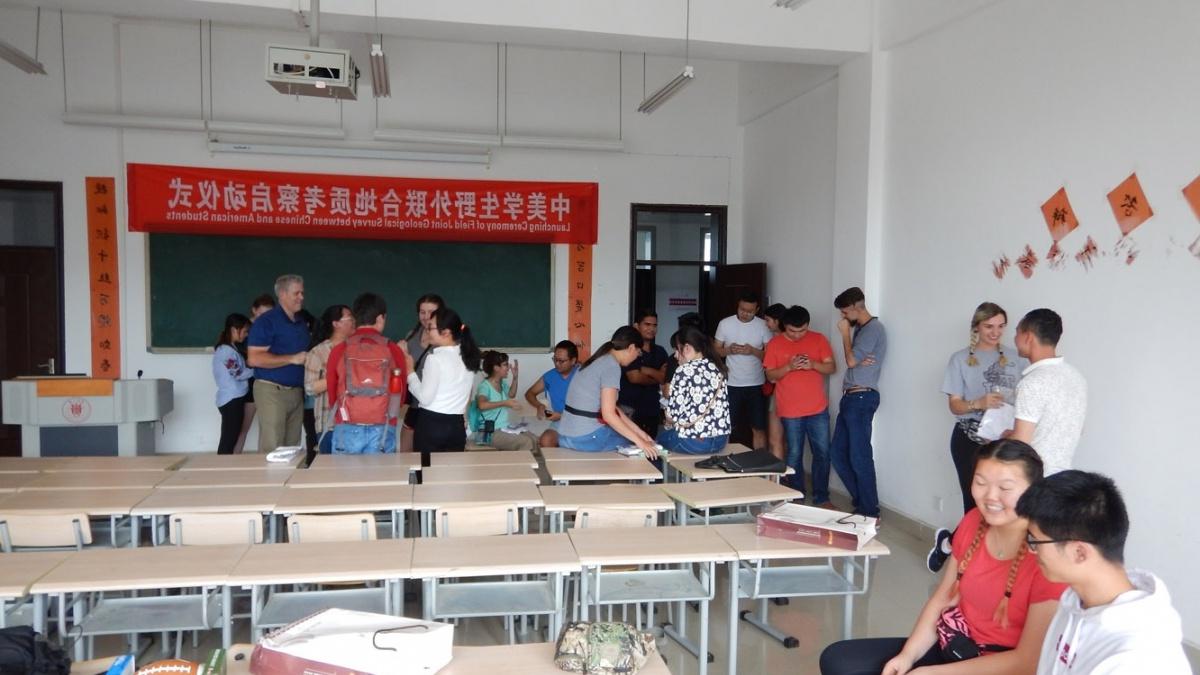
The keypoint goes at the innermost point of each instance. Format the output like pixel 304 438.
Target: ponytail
pixel 622 338
pixel 448 319
pixel 232 321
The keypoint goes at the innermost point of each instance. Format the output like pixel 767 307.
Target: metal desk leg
pixel 135 530
pixel 39 613
pixel 848 600
pixel 583 593
pixel 702 657
pixel 226 616
pixel 427 600
pixel 732 638
pixel 681 510
pixel 255 596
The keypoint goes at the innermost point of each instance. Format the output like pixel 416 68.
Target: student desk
pixel 11 482
pixel 395 499
pixel 427 499
pixel 18 571
pixel 138 463
pixel 436 558
pixel 627 468
pixel 113 504
pixel 248 460
pixel 163 503
pixel 558 500
pixel 509 473
pixel 349 477
pixel 567 454
pixel 707 495
pixel 219 478
pixel 757 581
pixel 104 570
pixel 685 469
pixel 600 547
pixel 266 565
pixel 408 460
pixel 101 480
pixel 28 464
pixel 483 458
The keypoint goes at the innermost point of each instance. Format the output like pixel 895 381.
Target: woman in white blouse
pixel 444 386
pixel 698 403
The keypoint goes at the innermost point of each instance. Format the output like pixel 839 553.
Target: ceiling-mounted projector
pixel 312 71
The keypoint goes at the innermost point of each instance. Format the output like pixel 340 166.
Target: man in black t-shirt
pixel 641 380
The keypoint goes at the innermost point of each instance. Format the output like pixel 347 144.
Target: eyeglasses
pixel 556 360
pixel 1034 543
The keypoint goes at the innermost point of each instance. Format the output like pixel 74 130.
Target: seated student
pixel 1111 620
pixel 990 611
pixel 495 395
pixel 444 388
pixel 698 401
pixel 591 420
pixel 554 383
pixel 357 377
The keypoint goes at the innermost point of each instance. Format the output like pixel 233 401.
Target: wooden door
pixel 29 330
pixel 729 282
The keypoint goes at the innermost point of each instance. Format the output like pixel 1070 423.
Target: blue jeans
pixel 853 457
pixel 361 439
pixel 603 438
pixel 673 442
pixel 816 427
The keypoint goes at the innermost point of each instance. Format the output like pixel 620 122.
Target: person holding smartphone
pixel 554 383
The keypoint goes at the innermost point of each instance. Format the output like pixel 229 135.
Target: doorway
pixel 675 250
pixel 31 287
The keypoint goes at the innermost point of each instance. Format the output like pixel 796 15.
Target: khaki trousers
pixel 280 414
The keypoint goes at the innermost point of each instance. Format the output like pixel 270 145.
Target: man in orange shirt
pixel 797 361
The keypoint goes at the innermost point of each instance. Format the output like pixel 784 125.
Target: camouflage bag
pixel 602 648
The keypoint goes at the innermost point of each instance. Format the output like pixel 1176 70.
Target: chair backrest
pixel 475 521
pixel 600 516
pixel 44 530
pixel 211 529
pixel 334 527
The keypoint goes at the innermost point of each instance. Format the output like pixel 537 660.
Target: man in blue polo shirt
pixel 277 346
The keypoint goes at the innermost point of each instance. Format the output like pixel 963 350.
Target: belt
pixel 275 384
pixel 582 413
pixel 856 390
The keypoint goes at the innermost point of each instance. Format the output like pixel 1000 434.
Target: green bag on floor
pixel 602 648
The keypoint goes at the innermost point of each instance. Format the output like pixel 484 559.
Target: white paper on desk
pixel 996 421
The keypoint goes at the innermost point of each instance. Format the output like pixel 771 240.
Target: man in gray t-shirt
pixel 864 344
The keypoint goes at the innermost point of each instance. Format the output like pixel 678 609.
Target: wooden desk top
pixel 324 562
pixel 524 495
pixel 408 460
pixel 647 545
pixel 527 659
pixel 227 478
pixel 16 481
pixel 483 458
pixel 139 463
pixel 249 460
pixel 28 464
pixel 628 468
pixel 147 567
pixel 567 454
pixel 99 480
pixel 749 546
pixel 485 556
pixel 215 500
pixel 19 570
pixel 682 459
pixel 616 496
pixel 116 502
pixel 689 470
pixel 732 492
pixel 349 477
pixel 436 475
pixel 340 500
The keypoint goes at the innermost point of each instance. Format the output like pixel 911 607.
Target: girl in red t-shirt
pixel 992 601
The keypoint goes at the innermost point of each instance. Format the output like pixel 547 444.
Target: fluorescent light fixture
pixel 564 143
pixel 353 152
pixel 257 129
pixel 653 101
pixel 437 137
pixel 379 72
pixel 790 4
pixel 20 59
pixel 134 121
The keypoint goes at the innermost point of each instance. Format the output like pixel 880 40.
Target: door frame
pixel 719 211
pixel 55 188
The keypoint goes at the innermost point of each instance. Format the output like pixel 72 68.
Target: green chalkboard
pixel 501 290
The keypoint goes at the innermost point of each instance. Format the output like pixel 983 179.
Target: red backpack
pixel 366 369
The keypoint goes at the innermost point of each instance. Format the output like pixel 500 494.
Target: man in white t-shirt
pixel 1051 395
pixel 742 339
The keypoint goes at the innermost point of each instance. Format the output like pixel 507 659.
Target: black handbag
pixel 23 651
pixel 753 461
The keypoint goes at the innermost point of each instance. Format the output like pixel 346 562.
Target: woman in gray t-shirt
pixel 592 422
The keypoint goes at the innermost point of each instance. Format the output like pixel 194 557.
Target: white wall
pixel 985 120
pixel 685 153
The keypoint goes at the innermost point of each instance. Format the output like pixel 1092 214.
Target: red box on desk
pixel 820 527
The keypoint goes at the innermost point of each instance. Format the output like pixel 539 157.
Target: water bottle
pixel 395 400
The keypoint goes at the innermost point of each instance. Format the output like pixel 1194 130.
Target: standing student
pixel 641 380
pixel 445 386
pixel 494 397
pixel 990 610
pixel 797 361
pixel 258 306
pixel 365 372
pixel 278 341
pixel 554 384
pixel 772 316
pixel 698 401
pixel 741 340
pixel 417 342
pixel 592 421
pixel 1052 394
pixel 231 375
pixel 864 346
pixel 335 325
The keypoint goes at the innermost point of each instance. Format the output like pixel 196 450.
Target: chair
pixel 45 531
pixel 336 527
pixel 477 521
pixel 212 529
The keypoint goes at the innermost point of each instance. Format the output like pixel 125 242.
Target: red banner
pixel 104 277
pixel 198 200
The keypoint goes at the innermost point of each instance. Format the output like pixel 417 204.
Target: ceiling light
pixel 790 4
pixel 133 121
pixel 20 59
pixel 347 151
pixel 653 101
pixel 379 73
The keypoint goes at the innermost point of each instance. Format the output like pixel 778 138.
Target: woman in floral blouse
pixel 697 405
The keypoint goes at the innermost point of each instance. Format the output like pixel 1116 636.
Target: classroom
pixel 907 147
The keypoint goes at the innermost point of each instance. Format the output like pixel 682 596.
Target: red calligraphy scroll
pixel 104 280
pixel 200 200
pixel 579 299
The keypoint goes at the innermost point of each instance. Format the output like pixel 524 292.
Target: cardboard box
pixel 822 527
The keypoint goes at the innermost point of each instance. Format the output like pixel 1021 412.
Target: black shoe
pixel 937 554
